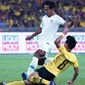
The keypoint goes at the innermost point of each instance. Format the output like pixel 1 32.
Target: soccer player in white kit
pixel 48 29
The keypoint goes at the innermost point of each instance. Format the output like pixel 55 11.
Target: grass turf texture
pixel 11 67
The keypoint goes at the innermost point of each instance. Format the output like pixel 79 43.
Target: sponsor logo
pixel 10 43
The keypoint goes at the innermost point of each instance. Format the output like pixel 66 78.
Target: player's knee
pixel 39 53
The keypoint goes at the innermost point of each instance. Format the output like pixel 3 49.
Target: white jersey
pixel 49 27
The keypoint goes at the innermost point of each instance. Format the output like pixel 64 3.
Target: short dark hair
pixel 71 42
pixel 50 3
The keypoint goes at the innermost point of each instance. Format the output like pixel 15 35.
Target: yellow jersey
pixel 61 61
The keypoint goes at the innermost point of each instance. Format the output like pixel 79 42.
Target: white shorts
pixel 47 47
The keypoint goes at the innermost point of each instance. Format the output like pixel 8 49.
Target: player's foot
pixel 52 83
pixel 2 83
pixel 24 76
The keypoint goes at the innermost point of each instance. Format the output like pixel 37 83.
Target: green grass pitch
pixel 11 67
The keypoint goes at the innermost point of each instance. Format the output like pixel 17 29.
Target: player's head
pixel 49 7
pixel 70 42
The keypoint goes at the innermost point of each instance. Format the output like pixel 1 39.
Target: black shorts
pixel 44 73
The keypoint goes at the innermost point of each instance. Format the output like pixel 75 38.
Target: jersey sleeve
pixel 60 20
pixel 75 63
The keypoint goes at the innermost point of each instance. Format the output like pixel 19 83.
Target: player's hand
pixel 70 83
pixel 28 37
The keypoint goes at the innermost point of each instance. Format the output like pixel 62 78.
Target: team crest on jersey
pixel 51 20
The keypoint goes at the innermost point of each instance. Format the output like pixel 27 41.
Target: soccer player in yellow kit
pixel 61 62
pixel 46 74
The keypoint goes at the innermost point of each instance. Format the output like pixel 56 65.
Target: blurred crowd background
pixel 28 13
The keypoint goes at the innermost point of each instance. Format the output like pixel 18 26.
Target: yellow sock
pixel 16 83
pixel 45 81
pixel 38 80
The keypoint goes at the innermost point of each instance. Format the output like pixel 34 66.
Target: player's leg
pixel 39 54
pixel 47 47
pixel 35 78
pixel 13 83
pixel 38 59
pixel 42 76
pixel 16 83
pixel 25 82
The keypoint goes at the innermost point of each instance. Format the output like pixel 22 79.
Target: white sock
pixel 32 65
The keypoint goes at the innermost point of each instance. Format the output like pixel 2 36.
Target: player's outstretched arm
pixel 76 71
pixel 34 34
pixel 58 40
